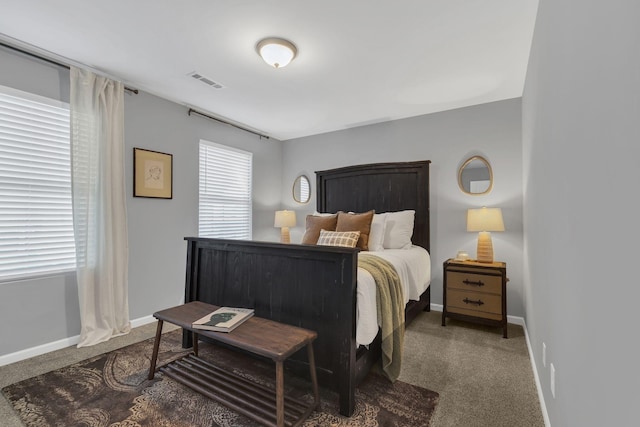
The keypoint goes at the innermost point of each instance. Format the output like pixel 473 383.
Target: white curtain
pixel 99 205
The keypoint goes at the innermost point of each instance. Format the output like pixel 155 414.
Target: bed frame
pixel 314 287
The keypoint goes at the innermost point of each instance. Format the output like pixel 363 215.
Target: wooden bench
pixel 274 340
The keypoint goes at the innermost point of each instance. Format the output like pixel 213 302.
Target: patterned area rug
pixel 113 390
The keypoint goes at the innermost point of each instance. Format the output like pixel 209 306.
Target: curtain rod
pixel 191 110
pixel 50 61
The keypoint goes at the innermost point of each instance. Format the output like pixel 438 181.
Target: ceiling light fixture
pixel 276 52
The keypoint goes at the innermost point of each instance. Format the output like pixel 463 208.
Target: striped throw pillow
pixel 347 239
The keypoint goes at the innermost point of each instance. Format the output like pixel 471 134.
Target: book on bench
pixel 224 319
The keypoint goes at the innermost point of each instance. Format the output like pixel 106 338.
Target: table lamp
pixel 485 220
pixel 284 220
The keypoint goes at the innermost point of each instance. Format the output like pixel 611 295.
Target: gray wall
pixel 581 112
pixel 447 139
pixel 156 226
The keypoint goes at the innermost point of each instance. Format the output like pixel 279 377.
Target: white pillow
pixel 316 213
pixel 376 235
pixel 399 229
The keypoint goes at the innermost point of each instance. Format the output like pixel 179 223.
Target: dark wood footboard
pixel 313 287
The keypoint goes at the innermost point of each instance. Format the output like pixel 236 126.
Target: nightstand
pixel 475 292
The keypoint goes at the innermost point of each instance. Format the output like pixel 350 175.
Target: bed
pixel 315 287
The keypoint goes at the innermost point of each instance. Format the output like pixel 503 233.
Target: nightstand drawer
pixel 473 281
pixel 478 304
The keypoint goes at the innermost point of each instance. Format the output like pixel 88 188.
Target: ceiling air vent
pixel 206 80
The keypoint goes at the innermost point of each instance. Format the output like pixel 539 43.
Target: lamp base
pixel 485 247
pixel 284 235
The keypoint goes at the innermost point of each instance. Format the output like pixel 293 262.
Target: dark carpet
pixel 113 390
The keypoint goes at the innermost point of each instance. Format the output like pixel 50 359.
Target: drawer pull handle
pixel 470 301
pixel 479 283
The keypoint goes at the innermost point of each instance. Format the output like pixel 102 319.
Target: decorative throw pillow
pixel 314 224
pixel 346 239
pixel 399 229
pixel 356 222
pixel 376 237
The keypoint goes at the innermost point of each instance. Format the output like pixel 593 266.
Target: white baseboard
pixel 142 321
pixel 57 345
pixel 543 405
pixel 436 307
pixel 38 350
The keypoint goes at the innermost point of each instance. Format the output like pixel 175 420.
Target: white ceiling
pixel 359 61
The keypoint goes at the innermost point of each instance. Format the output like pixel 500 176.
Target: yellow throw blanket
pixel 390 307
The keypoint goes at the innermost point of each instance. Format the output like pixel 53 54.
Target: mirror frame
pixel 464 165
pixel 293 189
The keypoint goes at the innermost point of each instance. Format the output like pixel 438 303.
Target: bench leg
pixel 156 346
pixel 195 343
pixel 279 394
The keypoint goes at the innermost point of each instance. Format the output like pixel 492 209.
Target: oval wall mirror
pixel 475 176
pixel 301 189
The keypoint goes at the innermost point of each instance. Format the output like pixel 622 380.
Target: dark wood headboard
pixel 385 187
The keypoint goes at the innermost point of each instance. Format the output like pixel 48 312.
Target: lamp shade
pixel 276 52
pixel 485 219
pixel 285 219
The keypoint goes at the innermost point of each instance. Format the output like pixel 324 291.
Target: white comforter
pixel 414 268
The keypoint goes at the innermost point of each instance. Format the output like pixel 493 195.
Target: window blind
pixel 225 205
pixel 36 219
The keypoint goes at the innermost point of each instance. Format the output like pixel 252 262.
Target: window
pixel 225 192
pixel 36 219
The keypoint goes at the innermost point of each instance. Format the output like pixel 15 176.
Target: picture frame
pixel 152 174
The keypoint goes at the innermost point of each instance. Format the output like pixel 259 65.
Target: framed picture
pixel 152 174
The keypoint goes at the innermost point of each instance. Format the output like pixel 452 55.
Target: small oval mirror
pixel 301 189
pixel 475 176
